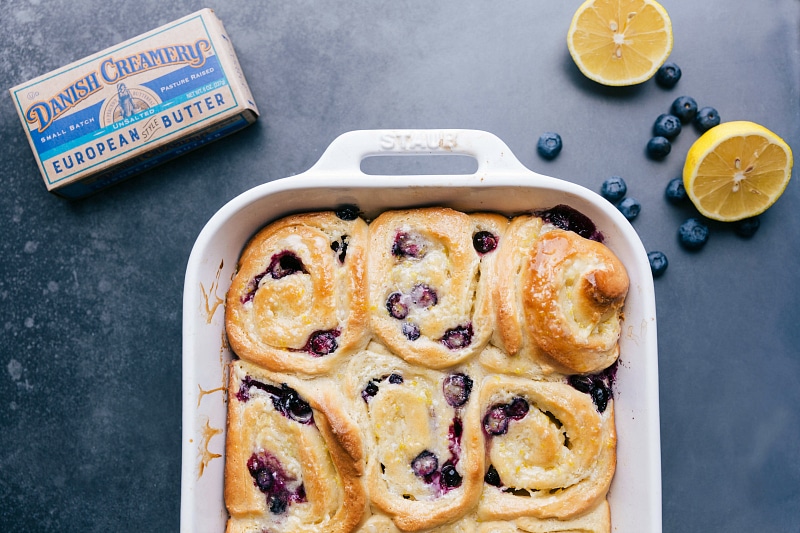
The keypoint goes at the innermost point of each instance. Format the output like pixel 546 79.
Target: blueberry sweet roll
pixel 298 301
pixel 558 298
pixel 421 427
pixel 292 461
pixel 428 299
pixel 550 452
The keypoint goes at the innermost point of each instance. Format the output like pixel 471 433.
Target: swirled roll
pixel 292 459
pixel 421 427
pixel 550 453
pixel 558 298
pixel 427 297
pixel 298 301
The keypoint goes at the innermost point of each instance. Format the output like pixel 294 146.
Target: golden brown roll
pixel 558 298
pixel 298 300
pixel 550 453
pixel 428 300
pixel 383 524
pixel 422 431
pixel 293 460
pixel 597 520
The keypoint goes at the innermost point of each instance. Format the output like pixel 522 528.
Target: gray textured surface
pixel 90 291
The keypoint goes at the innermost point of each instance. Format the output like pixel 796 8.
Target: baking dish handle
pixel 344 155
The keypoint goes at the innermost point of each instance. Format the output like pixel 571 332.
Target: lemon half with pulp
pixel 620 42
pixel 736 170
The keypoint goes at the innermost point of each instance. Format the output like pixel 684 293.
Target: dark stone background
pixel 90 291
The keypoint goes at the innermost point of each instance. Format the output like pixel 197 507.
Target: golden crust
pixel 432 248
pixel 271 319
pixel 559 298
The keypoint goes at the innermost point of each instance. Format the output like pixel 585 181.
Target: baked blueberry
pixel 658 263
pixel 496 420
pixel 518 408
pixel 629 207
pixel 685 108
pixel 747 227
pixel 425 464
pixel 581 383
pixel 675 191
pixel 706 118
pixel 484 242
pixel 322 342
pixel 340 247
pixel 292 406
pixel 347 212
pixel 285 264
pixel 492 477
pixel 600 396
pixel 369 391
pixel 456 389
pixel 658 147
pixel 395 379
pixel 614 189
pixel 549 145
pixel 408 245
pixel 396 306
pixel 423 296
pixel 450 477
pixel 570 219
pixel 668 75
pixel 458 337
pixel 411 331
pixel 693 234
pixel 668 126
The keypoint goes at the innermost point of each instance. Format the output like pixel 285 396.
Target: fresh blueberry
pixel 425 464
pixel 457 388
pixel 747 227
pixel 685 108
pixel 496 420
pixel 549 145
pixel 450 477
pixel 658 263
pixel 675 192
pixel 484 242
pixel 347 212
pixel 458 337
pixel 658 147
pixel 706 118
pixel 411 331
pixel 668 126
pixel 614 189
pixel 693 234
pixel 423 296
pixel 668 75
pixel 396 306
pixel 629 207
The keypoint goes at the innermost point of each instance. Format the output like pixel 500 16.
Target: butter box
pixel 125 109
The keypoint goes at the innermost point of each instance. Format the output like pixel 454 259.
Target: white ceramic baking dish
pixel 501 183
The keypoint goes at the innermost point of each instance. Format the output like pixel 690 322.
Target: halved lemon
pixel 620 42
pixel 736 170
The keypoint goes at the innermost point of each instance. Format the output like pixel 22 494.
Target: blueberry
pixel 518 408
pixel 614 189
pixel 456 389
pixel 408 245
pixel 685 108
pixel 369 391
pixel 411 331
pixel 581 383
pixel 277 503
pixel 600 396
pixel 675 192
pixel 340 248
pixel 658 263
pixel 668 126
pixel 458 337
pixel 549 145
pixel 496 420
pixel 706 118
pixel 292 406
pixel 629 207
pixel 693 234
pixel 322 342
pixel 396 307
pixel 492 477
pixel 395 379
pixel 450 477
pixel 668 75
pixel 285 264
pixel 570 219
pixel 425 464
pixel 747 227
pixel 423 296
pixel 484 242
pixel 347 212
pixel 658 147
pixel 263 480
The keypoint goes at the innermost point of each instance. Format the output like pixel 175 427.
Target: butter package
pixel 128 108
